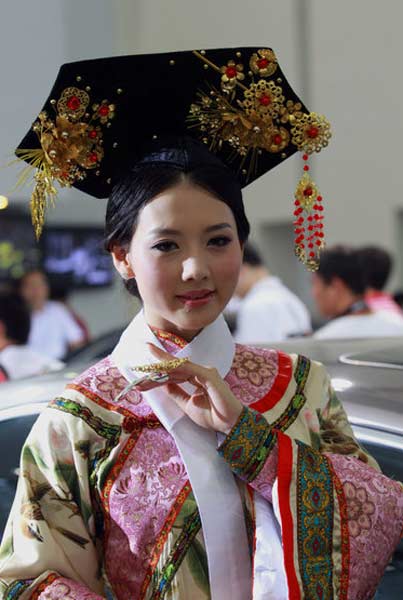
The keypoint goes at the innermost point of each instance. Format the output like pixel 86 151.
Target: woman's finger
pixel 189 368
pixel 178 395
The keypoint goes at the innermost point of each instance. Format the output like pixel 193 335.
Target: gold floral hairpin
pixel 71 144
pixel 255 116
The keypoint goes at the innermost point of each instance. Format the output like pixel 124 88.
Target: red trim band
pixel 279 386
pixel 284 474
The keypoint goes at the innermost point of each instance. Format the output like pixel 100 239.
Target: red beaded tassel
pixel 308 224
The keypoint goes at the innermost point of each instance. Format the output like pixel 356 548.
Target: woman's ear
pixel 120 257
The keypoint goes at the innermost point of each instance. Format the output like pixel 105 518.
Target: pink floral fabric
pixel 105 380
pixel 68 590
pixel 375 522
pixel 253 373
pixel 140 500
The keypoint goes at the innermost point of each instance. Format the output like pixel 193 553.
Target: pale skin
pixel 186 240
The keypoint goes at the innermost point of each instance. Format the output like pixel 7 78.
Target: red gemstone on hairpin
pixel 265 100
pixel 262 63
pixel 92 134
pixel 277 139
pixel 312 132
pixel 312 254
pixel 73 103
pixel 308 191
pixel 318 243
pixel 93 157
pixel 231 72
pixel 319 198
pixel 305 156
pixel 306 168
pixel 297 202
pixel 103 110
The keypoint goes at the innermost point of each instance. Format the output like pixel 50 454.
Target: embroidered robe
pixel 104 508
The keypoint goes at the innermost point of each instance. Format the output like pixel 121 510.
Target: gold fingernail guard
pixel 161 367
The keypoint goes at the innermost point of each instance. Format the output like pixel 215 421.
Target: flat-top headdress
pixel 103 113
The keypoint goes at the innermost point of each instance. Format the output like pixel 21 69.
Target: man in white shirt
pixel 268 311
pixel 338 288
pixel 53 329
pixel 16 358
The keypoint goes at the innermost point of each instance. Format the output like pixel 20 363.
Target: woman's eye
pixel 165 246
pixel 222 240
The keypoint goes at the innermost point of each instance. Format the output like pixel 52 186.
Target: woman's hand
pixel 212 405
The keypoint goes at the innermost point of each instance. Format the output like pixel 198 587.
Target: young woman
pixel 234 475
pixel 184 466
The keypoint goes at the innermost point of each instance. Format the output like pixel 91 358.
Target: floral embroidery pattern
pixel 104 381
pixel 151 475
pixel 256 368
pixel 243 383
pixel 360 509
pixel 372 499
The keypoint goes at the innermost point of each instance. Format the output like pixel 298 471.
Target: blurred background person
pixel 398 298
pixel 267 310
pixel 377 265
pixel 54 332
pixel 338 288
pixel 16 358
pixel 60 293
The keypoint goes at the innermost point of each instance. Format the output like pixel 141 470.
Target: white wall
pixel 343 57
pixel 36 38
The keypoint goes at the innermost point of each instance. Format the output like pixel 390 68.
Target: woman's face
pixel 185 255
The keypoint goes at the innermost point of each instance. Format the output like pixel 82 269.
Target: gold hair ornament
pixel 71 144
pixel 255 116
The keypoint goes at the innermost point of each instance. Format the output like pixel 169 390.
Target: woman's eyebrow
pixel 169 231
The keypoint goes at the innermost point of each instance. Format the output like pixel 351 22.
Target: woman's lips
pixel 196 298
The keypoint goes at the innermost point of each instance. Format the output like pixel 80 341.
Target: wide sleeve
pixel 48 550
pixel 341 519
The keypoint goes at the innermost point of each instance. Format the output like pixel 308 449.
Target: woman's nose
pixel 194 267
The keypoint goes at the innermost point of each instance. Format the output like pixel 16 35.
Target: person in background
pixel 338 288
pixel 398 297
pixel 54 331
pixel 377 264
pixel 60 293
pixel 16 358
pixel 268 310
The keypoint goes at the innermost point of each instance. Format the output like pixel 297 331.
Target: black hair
pixel 342 262
pixel 251 256
pixel 15 316
pixel 147 180
pixel 376 264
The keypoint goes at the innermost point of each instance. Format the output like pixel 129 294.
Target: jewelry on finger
pixel 159 377
pixel 161 367
pixel 129 387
